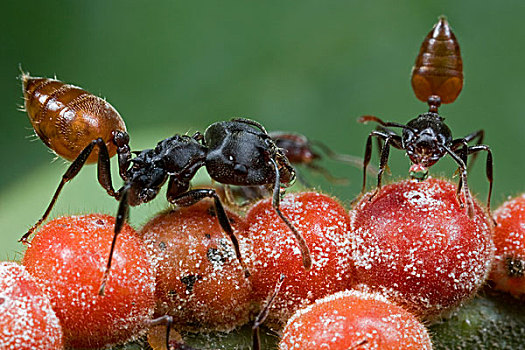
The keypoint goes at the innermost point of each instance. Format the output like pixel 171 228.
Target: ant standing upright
pixel 437 77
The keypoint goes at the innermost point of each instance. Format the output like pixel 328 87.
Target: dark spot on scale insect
pixel 515 267
pixel 162 245
pixel 190 281
pixel 215 256
pixel 207 235
pixel 2 300
pixel 100 222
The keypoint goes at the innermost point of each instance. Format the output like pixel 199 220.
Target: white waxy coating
pixel 68 257
pixel 354 319
pixel 27 320
pixel 324 223
pixel 508 270
pixel 414 242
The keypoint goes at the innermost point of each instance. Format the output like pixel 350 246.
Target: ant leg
pixel 326 174
pixel 368 154
pixel 382 164
pixel 371 118
pixel 250 122
pixel 276 200
pixel 463 154
pixel 479 135
pixel 121 218
pixel 345 158
pixel 163 320
pixel 104 178
pixel 463 169
pixel 488 167
pixel 366 160
pixel 261 317
pixel 193 196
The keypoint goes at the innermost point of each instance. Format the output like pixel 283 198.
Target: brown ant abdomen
pixel 439 68
pixel 67 118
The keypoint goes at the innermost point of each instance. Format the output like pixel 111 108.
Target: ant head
pixel 144 178
pixel 424 140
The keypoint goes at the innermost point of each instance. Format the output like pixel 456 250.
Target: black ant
pixel 238 152
pixel 299 150
pixel 437 77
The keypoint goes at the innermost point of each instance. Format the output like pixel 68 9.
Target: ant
pixel 437 77
pixel 72 122
pixel 299 150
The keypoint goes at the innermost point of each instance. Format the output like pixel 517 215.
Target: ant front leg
pixel 121 218
pixel 479 135
pixel 103 174
pixel 191 197
pixel 463 154
pixel 276 200
pixel 463 181
pixel 395 141
pixel 488 167
pixel 389 138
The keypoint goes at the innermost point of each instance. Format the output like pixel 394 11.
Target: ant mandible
pixel 437 77
pixel 239 152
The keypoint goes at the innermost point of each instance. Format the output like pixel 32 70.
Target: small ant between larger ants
pixel 437 77
pixel 84 128
pixel 300 151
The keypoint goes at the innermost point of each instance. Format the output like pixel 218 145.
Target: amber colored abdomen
pixel 438 69
pixel 68 118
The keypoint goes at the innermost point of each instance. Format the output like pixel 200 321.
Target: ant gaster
pixel 437 77
pixel 237 152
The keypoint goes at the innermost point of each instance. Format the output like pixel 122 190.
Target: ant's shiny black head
pixel 424 140
pixel 240 153
pixel 144 178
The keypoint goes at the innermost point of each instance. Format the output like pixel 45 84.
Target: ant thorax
pixel 179 155
pixel 425 139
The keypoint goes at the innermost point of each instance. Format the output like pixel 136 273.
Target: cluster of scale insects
pixel 83 128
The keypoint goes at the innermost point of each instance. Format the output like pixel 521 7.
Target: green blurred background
pixel 308 66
